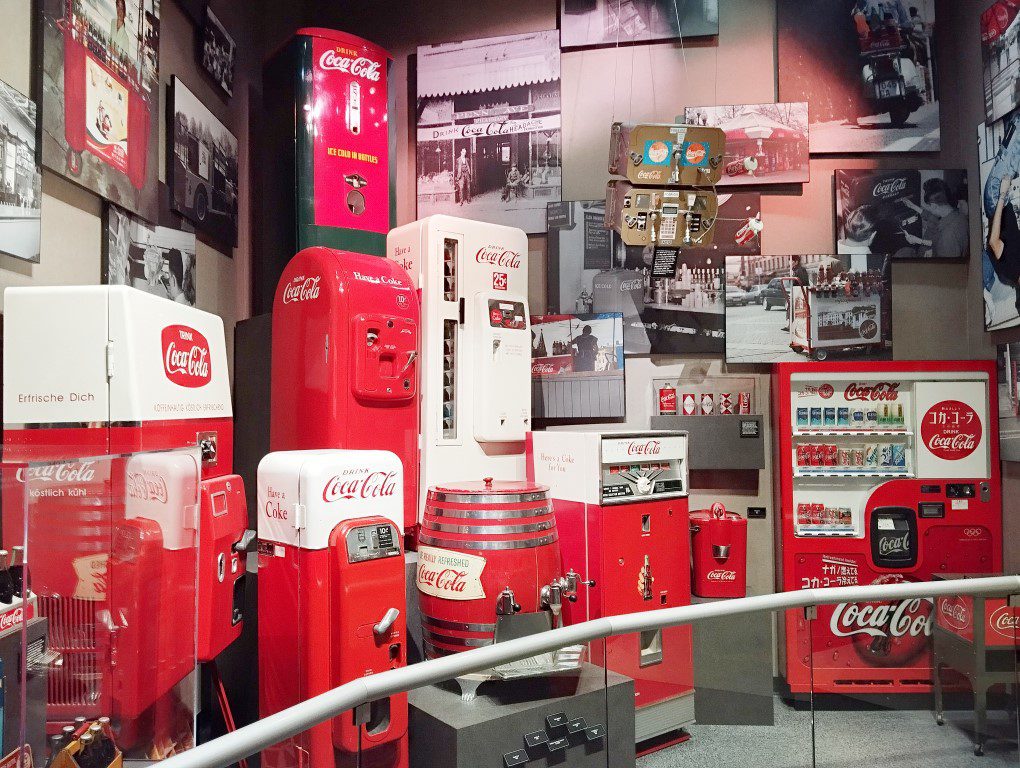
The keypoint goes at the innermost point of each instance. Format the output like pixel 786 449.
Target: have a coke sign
pixel 951 430
pixel 186 356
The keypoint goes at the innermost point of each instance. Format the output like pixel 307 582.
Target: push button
pixel 595 732
pixel 517 757
pixel 557 744
pixel 557 720
pixel 576 725
pixel 536 739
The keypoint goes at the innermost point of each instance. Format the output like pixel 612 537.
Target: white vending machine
pixel 476 346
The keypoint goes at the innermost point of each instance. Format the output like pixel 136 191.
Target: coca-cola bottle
pixel 86 756
pixel 18 570
pixel 6 582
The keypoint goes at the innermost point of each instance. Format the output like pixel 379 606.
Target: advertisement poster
pixel 671 299
pixel 218 49
pixel 489 145
pixel 1000 58
pixel 904 214
pixel 157 260
pixel 999 158
pixel 1009 401
pixel 100 105
pixel 618 22
pixel 765 143
pixel 868 70
pixel 796 308
pixel 20 179
pixel 202 167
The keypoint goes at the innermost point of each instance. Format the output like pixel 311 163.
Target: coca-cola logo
pixel 498 256
pixel 11 619
pixel 954 613
pixel 720 574
pixel 69 472
pixel 359 66
pixel 631 285
pixel 882 391
pixel 951 430
pixel 894 545
pixel 146 486
pixel 1005 621
pixel 301 289
pixel 540 368
pixel 444 579
pixel 889 187
pixel 365 484
pixel 826 391
pixel 647 448
pixel 186 356
pixel 906 618
pixel 696 152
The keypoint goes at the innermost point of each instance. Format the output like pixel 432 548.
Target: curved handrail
pixel 252 738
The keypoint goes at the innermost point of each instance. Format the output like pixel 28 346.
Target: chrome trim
pixel 462 626
pixel 489 545
pixel 463 642
pixel 489 498
pixel 434 652
pixel 494 530
pixel 488 514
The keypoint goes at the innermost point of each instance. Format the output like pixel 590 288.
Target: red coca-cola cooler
pixel 117 459
pixel 718 553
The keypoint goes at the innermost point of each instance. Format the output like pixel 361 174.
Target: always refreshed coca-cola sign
pixel 66 472
pixel 301 288
pixel 146 486
pixel 360 484
pixel 882 391
pixel 644 448
pixel 498 256
pixel 721 574
pixel 1005 622
pixel 906 618
pixel 951 430
pixel 450 575
pixel 359 66
pixel 186 356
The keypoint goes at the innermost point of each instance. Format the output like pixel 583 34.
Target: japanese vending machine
pixel 345 359
pixel 117 451
pixel 887 472
pixel 331 600
pixel 622 514
pixel 326 146
pixel 476 346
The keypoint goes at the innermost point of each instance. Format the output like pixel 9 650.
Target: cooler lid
pixel 341 37
pixel 489 487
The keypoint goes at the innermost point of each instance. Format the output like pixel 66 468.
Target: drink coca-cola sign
pixel 644 448
pixel 721 574
pixel 1005 621
pixel 360 484
pixel 889 188
pixel 882 391
pixel 906 618
pixel 186 357
pixel 498 256
pixel 301 288
pixel 359 66
pixel 146 486
pixel 450 575
pixel 67 472
pixel 951 430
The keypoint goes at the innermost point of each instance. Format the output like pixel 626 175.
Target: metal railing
pixel 225 750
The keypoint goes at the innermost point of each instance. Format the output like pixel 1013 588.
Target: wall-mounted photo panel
pixel 907 214
pixel 1000 58
pixel 765 143
pixel 619 22
pixel 201 166
pixel 1009 401
pixel 217 52
pixel 999 161
pixel 808 307
pixel 100 97
pixel 868 70
pixel 20 179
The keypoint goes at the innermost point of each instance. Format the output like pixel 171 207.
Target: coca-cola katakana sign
pixel 186 356
pixel 951 430
pixel 450 575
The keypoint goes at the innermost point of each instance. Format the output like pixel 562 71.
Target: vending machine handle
pixel 382 629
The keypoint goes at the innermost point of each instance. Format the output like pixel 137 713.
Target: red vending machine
pixel 332 600
pixel 135 549
pixel 621 512
pixel 887 472
pixel 345 360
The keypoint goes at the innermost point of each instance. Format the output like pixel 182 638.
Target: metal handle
pixel 411 357
pixel 386 623
pixel 721 551
pixel 244 543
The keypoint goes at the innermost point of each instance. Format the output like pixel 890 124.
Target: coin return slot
pixel 379 718
pixel 651 647
pixel 646 523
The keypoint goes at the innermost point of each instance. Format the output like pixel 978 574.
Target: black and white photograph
pixel 619 22
pixel 218 52
pixel 488 121
pixel 1008 356
pixel 100 97
pixel 808 307
pixel 868 70
pixel 765 143
pixel 157 260
pixel 1000 58
pixel 906 214
pixel 20 179
pixel 202 166
pixel 999 157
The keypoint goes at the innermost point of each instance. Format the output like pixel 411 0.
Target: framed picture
pixel 20 179
pixel 201 166
pixel 619 22
pixel 489 144
pixel 908 214
pixel 218 52
pixel 1009 401
pixel 100 103
pixel 765 143
pixel 154 259
pixel 817 307
pixel 829 49
pixel 999 156
pixel 1000 58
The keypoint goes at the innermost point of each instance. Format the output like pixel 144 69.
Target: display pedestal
pixel 564 717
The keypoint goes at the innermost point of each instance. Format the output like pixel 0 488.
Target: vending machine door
pixel 503 380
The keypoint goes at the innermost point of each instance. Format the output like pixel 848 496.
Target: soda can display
pixel 725 402
pixel 816 417
pixel 744 403
pixel 690 404
pixel 871 417
pixel 885 458
pixel 667 401
pixel 899 455
pixel 842 417
pixel 803 417
pixel 829 417
pixel 857 457
pixel 803 455
pixel 871 457
pixel 857 418
pixel 831 455
pixel 844 457
pixel 707 403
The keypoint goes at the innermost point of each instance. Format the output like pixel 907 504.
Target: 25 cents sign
pixel 951 430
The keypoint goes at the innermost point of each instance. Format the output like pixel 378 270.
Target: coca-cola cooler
pixel 117 451
pixel 621 507
pixel 718 553
pixel 332 600
pixel 887 472
pixel 476 347
pixel 345 360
